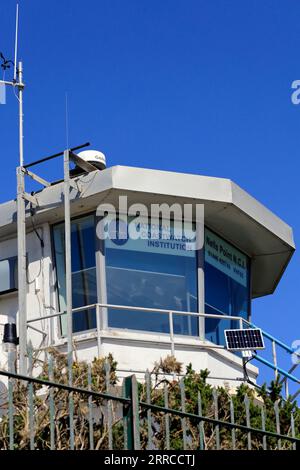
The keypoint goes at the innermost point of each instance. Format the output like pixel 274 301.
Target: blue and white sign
pixel 158 237
pixel 226 258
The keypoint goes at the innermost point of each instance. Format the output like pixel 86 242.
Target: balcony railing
pixel 272 363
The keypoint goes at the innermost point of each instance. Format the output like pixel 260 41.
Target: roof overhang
pixel 229 210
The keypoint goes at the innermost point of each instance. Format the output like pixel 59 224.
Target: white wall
pixel 41 298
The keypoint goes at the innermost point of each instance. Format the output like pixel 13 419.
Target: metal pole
pixel 69 306
pixel 68 261
pixel 22 284
pixel 21 227
pixel 131 414
pixel 21 136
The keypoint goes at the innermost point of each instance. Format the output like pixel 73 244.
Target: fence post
pixel 216 407
pixel 149 417
pixel 277 418
pixel 293 430
pixel 131 413
pixel 11 409
pixel 30 397
pixel 263 427
pixel 183 420
pixel 201 425
pixel 248 423
pixel 51 403
pixel 167 417
pixel 90 406
pixel 232 421
pixel 108 405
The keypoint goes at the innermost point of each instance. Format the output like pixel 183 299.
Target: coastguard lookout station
pixel 140 299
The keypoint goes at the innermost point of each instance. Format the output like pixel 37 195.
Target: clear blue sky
pixel 193 86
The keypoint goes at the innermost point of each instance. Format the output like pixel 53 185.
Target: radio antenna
pixel 67 119
pixel 16 42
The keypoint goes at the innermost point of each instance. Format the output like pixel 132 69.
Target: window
pixel 227 287
pixel 159 273
pixel 84 286
pixel 153 274
pixel 8 275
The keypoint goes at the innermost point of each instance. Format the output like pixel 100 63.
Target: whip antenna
pixel 16 42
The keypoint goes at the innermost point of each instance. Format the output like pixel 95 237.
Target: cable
pixel 246 373
pixel 32 213
pixel 250 381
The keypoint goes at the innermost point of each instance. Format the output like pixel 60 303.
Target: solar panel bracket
pixel 247 354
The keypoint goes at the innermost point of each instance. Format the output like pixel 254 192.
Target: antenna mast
pixel 17 83
pixel 16 43
pixel 21 227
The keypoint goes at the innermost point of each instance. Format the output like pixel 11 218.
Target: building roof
pixel 229 210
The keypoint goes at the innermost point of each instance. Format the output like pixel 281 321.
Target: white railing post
pixel 171 333
pixel 274 358
pixel 98 326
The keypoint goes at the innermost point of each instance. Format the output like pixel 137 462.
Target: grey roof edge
pixel 202 188
pixel 185 185
pixel 262 215
pixel 191 185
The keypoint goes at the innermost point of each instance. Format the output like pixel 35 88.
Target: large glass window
pixel 159 273
pixel 84 286
pixel 151 273
pixel 227 289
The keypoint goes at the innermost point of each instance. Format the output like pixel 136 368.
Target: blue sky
pixel 193 86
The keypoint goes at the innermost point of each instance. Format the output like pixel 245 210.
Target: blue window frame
pixel 227 285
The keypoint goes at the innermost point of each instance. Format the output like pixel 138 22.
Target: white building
pixel 246 251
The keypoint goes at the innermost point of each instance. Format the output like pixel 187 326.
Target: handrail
pixel 140 309
pixel 242 323
pixel 279 369
pixel 272 338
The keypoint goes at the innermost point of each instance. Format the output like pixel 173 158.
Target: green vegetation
pixel 166 380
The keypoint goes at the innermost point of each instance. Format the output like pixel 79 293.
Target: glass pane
pixel 4 275
pixel 8 274
pixel 140 277
pixel 226 286
pixel 84 284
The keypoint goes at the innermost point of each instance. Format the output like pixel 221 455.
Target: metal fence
pixel 280 353
pixel 42 413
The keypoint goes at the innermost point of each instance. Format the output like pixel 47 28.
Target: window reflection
pixel 8 275
pixel 226 286
pixel 84 286
pixel 143 274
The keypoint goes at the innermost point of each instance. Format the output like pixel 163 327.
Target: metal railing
pixel 277 345
pixel 136 416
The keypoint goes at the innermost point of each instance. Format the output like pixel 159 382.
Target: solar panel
pixel 243 340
